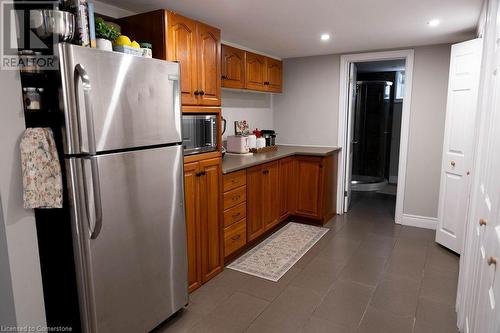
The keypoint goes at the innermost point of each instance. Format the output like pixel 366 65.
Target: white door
pixel 350 132
pixel 458 147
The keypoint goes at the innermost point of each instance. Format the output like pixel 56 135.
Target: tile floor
pixel 365 275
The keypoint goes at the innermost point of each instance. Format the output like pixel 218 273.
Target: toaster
pixel 237 144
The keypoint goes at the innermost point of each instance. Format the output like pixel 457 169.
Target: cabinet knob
pixel 492 261
pixel 483 222
pixel 452 163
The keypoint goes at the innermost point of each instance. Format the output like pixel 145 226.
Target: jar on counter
pixel 32 98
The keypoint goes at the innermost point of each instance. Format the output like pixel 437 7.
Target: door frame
pixel 345 61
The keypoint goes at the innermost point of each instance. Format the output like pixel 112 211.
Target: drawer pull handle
pixel 265 172
pixel 237 197
pixel 483 222
pixel 234 181
pixel 236 215
pixel 235 237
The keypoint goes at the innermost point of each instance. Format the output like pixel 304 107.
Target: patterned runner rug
pixel 272 258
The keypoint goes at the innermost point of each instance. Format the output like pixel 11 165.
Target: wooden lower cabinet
pixel 316 187
pixel 287 188
pixel 202 184
pixel 262 199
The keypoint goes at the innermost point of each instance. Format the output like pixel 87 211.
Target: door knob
pixel 492 261
pixel 483 222
pixel 452 163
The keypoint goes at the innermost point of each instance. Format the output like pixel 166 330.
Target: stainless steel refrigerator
pixel 124 160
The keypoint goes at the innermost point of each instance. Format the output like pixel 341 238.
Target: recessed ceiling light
pixel 325 37
pixel 433 23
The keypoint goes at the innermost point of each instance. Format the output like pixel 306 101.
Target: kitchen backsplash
pixel 256 108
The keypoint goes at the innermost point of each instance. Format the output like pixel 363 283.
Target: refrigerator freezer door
pixel 117 101
pixel 133 271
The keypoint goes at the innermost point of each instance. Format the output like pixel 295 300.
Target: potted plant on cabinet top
pixel 105 35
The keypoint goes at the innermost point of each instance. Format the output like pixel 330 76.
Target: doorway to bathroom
pixel 374 120
pixel 378 100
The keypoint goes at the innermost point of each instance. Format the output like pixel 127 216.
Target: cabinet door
pixel 287 189
pixel 210 216
pixel 255 71
pixel 309 180
pixel 274 72
pixel 192 226
pixel 269 195
pixel 181 47
pixel 255 222
pixel 233 65
pixel 209 75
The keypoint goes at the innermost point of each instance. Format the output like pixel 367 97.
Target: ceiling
pixel 292 28
pixel 381 66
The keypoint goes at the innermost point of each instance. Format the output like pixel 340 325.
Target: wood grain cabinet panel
pixel 235 197
pixel 208 59
pixel 182 47
pixel 255 222
pixel 274 73
pixel 233 67
pixel 202 184
pixel 235 214
pixel 255 71
pixel 270 197
pixel 309 186
pixel 234 179
pixel 287 187
pixel 192 225
pixel 210 215
pixel 235 237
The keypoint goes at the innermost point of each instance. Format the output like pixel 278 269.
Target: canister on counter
pixel 32 98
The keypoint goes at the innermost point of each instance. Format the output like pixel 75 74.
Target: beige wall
pixel 430 85
pixel 307 113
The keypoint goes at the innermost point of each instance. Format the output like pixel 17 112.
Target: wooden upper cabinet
pixel 255 71
pixel 274 74
pixel 196 46
pixel 233 67
pixel 209 71
pixel 182 47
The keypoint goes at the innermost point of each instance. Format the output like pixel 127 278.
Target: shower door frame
pixel 345 62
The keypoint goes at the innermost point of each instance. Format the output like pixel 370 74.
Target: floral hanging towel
pixel 42 180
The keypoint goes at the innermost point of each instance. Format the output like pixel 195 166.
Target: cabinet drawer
pixel 235 237
pixel 235 214
pixel 235 197
pixel 234 180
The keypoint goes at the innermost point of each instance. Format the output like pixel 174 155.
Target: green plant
pixel 104 30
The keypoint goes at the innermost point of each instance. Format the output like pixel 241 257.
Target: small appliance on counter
pixel 270 136
pixel 238 144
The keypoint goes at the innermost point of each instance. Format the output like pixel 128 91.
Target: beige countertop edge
pixel 232 163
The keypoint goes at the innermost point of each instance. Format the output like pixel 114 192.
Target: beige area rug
pixel 272 258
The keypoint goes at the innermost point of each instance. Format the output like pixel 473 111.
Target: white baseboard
pixel 419 221
pixel 393 179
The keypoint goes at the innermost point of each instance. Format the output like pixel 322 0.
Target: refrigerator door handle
pixel 176 100
pixel 96 192
pixel 81 73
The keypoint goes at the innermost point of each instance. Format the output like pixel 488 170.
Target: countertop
pixel 231 163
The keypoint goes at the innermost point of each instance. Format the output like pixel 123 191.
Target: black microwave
pixel 199 133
